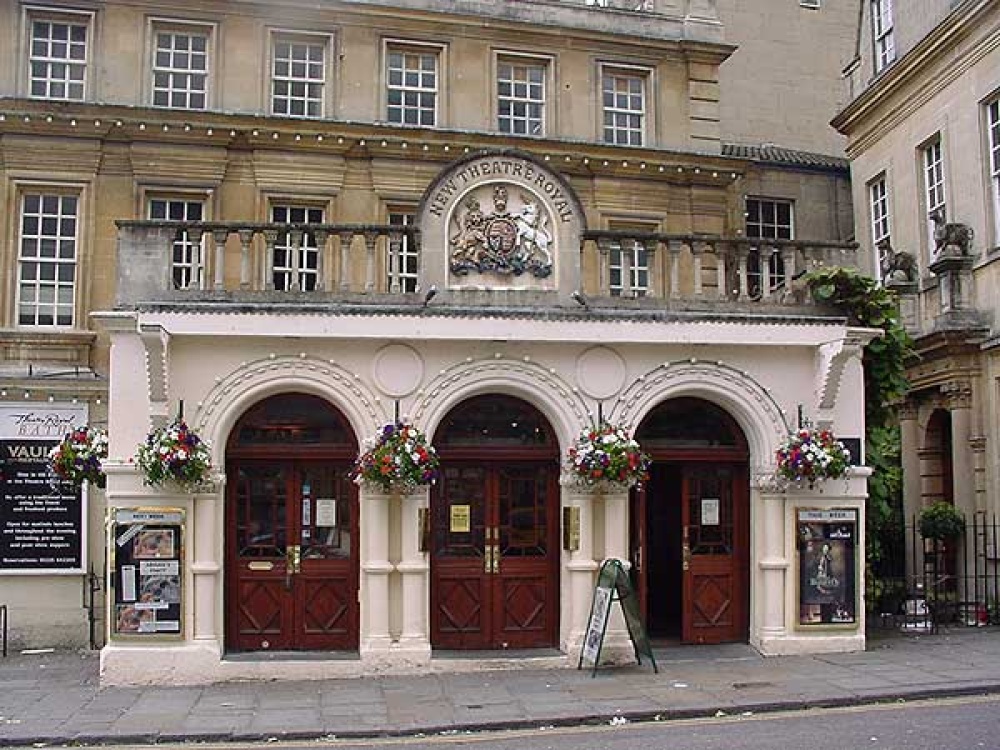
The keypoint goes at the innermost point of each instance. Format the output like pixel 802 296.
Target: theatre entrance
pixel 690 525
pixel 291 529
pixel 494 528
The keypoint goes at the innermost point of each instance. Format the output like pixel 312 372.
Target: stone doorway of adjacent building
pixel 494 528
pixel 689 525
pixel 291 529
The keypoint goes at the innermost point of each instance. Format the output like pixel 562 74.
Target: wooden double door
pixel 690 550
pixel 494 562
pixel 291 556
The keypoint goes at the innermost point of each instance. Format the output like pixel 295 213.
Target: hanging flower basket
pixel 398 458
pixel 811 455
pixel 606 454
pixel 174 453
pixel 77 459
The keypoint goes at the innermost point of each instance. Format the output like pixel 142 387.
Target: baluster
pixel 696 251
pixel 675 268
pixel 346 237
pixel 321 236
pixel 742 255
pixel 653 268
pixel 371 240
pixel 719 250
pixel 788 253
pixel 766 251
pixel 196 236
pixel 628 264
pixel 393 261
pixel 219 236
pixel 295 237
pixel 604 265
pixel 267 267
pixel 246 237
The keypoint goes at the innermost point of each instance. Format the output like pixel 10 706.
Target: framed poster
pixel 827 561
pixel 43 520
pixel 147 572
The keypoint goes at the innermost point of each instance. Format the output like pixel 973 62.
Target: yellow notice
pixel 461 519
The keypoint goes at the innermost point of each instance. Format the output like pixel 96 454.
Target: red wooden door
pixel 292 557
pixel 494 556
pixel 714 576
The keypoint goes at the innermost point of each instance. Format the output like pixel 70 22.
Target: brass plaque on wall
pixel 571 529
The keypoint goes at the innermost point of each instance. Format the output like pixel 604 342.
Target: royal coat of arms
pixel 508 242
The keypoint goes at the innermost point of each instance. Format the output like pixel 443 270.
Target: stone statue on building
pixel 950 239
pixel 897 267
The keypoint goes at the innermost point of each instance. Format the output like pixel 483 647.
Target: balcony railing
pixel 169 261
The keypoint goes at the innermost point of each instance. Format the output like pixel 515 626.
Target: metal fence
pixel 921 584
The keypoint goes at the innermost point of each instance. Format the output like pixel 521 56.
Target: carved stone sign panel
pixel 501 221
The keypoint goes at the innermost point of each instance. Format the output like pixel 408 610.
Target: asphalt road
pixel 947 724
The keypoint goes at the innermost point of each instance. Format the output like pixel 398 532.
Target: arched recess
pixel 690 523
pixel 291 529
pixel 754 409
pixel 562 407
pixel 495 527
pixel 937 456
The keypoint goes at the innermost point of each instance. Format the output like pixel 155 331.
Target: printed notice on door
pixel 461 519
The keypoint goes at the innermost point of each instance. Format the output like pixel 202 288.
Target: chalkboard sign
pixel 148 568
pixel 42 520
pixel 613 585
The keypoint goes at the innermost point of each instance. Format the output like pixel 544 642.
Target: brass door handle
pixel 686 554
pixel 496 558
pixel 488 558
pixel 293 564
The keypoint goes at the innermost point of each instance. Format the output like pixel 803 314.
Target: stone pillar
pixel 414 567
pixel 375 570
pixel 959 400
pixel 581 566
pixel 205 567
pixel 768 516
pixel 910 455
pixel 617 644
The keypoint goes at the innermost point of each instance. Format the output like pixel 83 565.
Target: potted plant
pixel 78 458
pixel 941 521
pixel 606 453
pixel 811 455
pixel 397 459
pixel 174 453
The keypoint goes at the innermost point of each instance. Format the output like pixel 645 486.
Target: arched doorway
pixel 291 528
pixel 494 513
pixel 690 524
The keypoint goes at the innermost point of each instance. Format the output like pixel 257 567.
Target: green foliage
pixel 941 521
pixel 865 303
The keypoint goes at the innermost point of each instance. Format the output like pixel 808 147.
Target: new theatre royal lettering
pixel 502 167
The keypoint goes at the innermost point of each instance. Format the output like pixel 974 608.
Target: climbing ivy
pixel 865 303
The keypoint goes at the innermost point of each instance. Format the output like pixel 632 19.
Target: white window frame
pixel 323 82
pixel 192 29
pixel 51 260
pixel 765 230
pixel 69 17
pixel 536 126
pixel 880 217
pixel 407 88
pixel 992 111
pixel 932 167
pixel 643 113
pixel 883 39
pixel 407 271
pixel 187 259
pixel 304 274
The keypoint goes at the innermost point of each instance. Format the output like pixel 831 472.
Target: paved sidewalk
pixel 55 698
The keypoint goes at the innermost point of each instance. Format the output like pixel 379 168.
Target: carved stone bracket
pixel 156 341
pixel 832 360
pixel 957 394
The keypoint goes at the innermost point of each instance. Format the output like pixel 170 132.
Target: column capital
pixel 957 394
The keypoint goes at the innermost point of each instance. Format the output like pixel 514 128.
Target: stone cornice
pixel 879 107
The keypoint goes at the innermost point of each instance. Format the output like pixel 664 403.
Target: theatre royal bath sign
pixel 502 220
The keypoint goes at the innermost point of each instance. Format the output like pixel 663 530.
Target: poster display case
pixel 147 572
pixel 827 562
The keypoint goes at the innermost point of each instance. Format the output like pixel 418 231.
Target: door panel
pixel 493 580
pixel 291 557
pixel 712 581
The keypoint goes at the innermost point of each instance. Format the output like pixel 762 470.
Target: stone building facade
pixel 923 133
pixel 524 218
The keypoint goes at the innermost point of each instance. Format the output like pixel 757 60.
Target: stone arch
pixel 756 412
pixel 560 403
pixel 232 395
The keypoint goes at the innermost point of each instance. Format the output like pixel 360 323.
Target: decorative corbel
pixel 833 357
pixel 156 341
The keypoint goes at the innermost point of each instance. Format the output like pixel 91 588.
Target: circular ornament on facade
pixel 397 370
pixel 600 371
